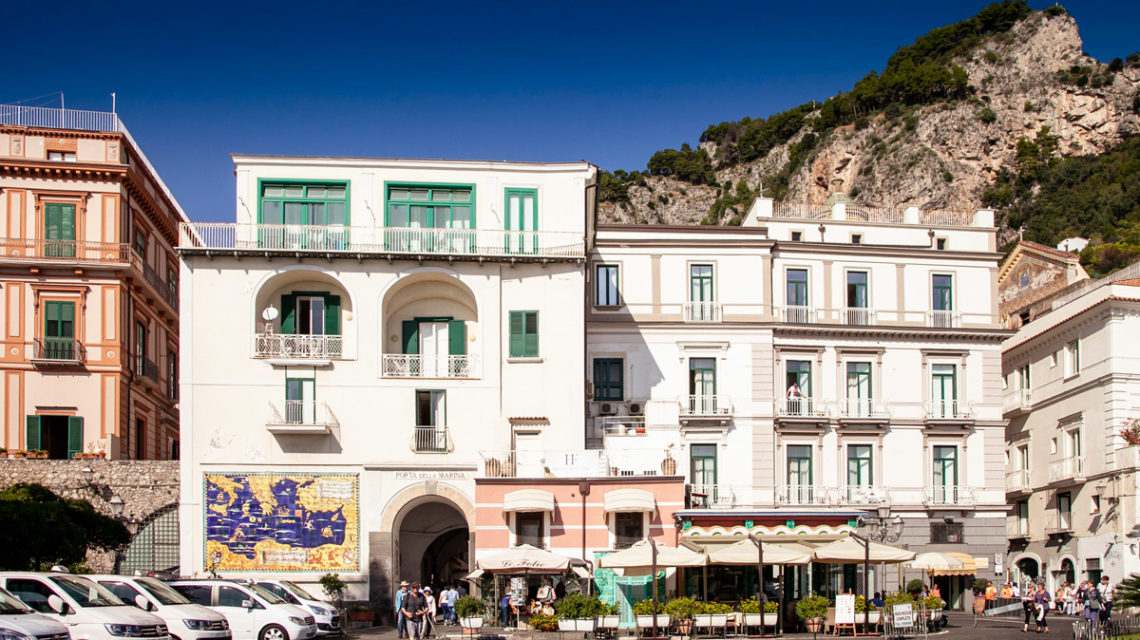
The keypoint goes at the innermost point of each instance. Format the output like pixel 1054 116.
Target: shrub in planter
pixel 645 608
pixel 898 598
pixel 361 613
pixel 914 587
pixel 576 612
pixel 544 622
pixel 681 608
pixel 933 602
pixel 470 610
pixel 713 607
pixel 979 586
pixel 811 610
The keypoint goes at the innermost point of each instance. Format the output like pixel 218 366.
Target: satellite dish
pixel 269 314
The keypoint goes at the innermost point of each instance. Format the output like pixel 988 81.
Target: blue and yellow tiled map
pixel 282 522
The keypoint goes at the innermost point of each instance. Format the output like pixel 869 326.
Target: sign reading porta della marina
pixel 282 522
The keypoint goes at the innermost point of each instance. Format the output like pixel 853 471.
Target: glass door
pixel 702 472
pixel 945 489
pixel 701 292
pixel 857 311
pixel 702 386
pixel 434 348
pixel 859 476
pixel 799 474
pixel 798 396
pixel 944 391
pixel 859 389
pixel 522 221
pixel 300 401
pixel 59 230
pixel 797 296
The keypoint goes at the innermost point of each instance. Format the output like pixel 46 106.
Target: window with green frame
pixel 523 334
pixel 608 382
pixel 431 207
pixel 521 217
pixel 59 330
pixel 59 230
pixel 799 473
pixel 859 465
pixel 945 480
pixel 304 203
pixel 703 471
pixel 140 242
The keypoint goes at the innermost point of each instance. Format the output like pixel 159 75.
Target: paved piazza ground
pixel 961 625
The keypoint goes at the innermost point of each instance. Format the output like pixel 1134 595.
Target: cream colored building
pixel 815 362
pixel 354 339
pixel 1072 380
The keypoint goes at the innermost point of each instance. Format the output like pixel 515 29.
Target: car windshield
pixel 265 594
pixel 10 605
pixel 161 592
pixel 87 593
pixel 295 590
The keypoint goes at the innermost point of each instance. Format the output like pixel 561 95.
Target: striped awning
pixel 528 500
pixel 969 566
pixel 630 501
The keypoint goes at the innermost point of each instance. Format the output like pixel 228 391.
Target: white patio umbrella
pixel 848 550
pixel 744 552
pixel 647 554
pixel 935 561
pixel 524 559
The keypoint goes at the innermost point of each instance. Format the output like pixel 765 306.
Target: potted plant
pixel 610 616
pixel 39 454
pixel 334 589
pixel 711 615
pixel 759 614
pixel 870 611
pixel 576 612
pixel 979 589
pixel 361 613
pixel 811 610
pixel 17 454
pixel 643 611
pixel 3 451
pixel 470 611
pixel 934 606
pixel 543 622
pixel 681 611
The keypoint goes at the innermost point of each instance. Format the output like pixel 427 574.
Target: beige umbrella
pixel 643 555
pixel 935 561
pixel 851 551
pixel 744 553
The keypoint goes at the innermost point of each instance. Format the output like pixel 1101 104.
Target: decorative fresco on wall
pixel 282 522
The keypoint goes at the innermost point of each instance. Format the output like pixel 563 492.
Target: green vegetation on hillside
pixel 1094 196
pixel 919 74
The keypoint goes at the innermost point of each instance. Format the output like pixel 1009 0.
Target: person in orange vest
pixel 991 594
pixel 1006 591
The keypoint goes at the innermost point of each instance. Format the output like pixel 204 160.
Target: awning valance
pixel 630 501
pixel 969 567
pixel 528 500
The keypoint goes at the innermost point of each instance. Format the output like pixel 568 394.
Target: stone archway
pixel 432 544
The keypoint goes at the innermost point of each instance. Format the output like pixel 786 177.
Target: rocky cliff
pixel 1031 80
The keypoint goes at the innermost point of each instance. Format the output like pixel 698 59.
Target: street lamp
pixel 116 505
pixel 881 529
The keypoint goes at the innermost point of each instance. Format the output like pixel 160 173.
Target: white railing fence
pixel 298 346
pixel 705 405
pixel 414 365
pixel 702 311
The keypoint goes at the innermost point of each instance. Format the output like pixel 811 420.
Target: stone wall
pixel 145 486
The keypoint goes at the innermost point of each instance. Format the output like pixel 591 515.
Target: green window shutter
pixel 67 221
pixel 457 338
pixel 53 217
pixel 74 436
pixel 516 332
pixel 32 433
pixel 411 337
pixel 332 315
pixel 530 346
pixel 288 313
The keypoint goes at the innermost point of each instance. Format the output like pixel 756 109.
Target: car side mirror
pixel 142 603
pixel 58 605
pixel 248 604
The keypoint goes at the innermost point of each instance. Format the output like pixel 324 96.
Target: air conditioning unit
pixel 636 408
pixel 606 409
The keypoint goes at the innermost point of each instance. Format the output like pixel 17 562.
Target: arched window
pixel 155 547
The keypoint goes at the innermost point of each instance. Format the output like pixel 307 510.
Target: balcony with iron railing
pixel 949 409
pixel 804 494
pixel 1016 400
pixel 1016 529
pixel 803 407
pixel 863 409
pixel 39 250
pixel 431 439
pixel 164 289
pixel 702 311
pixel 414 365
pixel 1059 523
pixel 298 346
pixel 705 406
pixel 1070 468
pixel 944 319
pixel 707 496
pixel 620 426
pixel 1017 480
pixel 222 237
pixel 58 351
pixel 577 463
pixel 798 314
pixel 146 368
pixel 949 495
pixel 301 417
pixel 858 316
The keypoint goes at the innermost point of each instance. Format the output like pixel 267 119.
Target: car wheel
pixel 273 632
pixel 174 637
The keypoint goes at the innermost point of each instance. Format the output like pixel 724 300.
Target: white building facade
pixel 1072 384
pixel 815 366
pixel 388 319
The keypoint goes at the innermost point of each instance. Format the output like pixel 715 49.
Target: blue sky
pixel 606 82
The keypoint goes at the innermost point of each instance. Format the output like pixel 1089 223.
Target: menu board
pixel 845 609
pixel 518 591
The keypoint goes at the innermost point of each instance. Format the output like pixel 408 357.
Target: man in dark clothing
pixel 414 608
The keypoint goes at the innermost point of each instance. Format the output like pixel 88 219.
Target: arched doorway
pixel 1027 569
pixel 433 543
pixel 1067 573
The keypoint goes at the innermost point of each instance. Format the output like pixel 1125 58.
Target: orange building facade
pixel 88 290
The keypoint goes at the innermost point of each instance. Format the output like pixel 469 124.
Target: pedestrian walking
pixel 1042 600
pixel 1028 607
pixel 1107 593
pixel 401 622
pixel 414 608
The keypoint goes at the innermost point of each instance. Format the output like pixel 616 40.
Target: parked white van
pixel 328 620
pixel 17 618
pixel 88 610
pixel 184 619
pixel 253 612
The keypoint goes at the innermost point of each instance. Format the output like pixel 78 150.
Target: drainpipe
pixel 584 490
